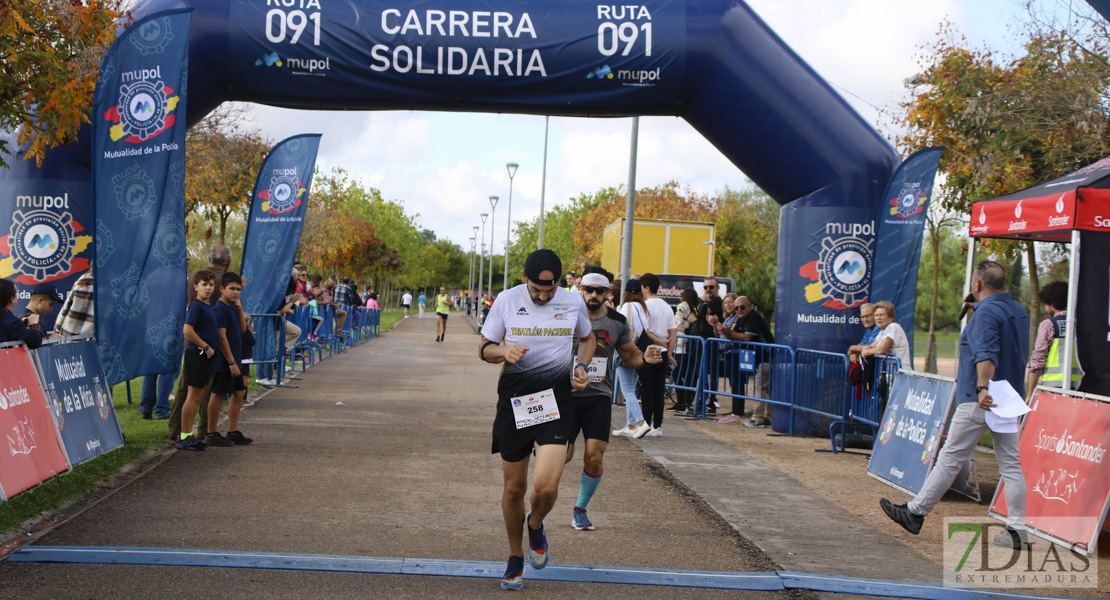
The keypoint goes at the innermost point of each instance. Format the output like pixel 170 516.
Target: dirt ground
pixel 842 479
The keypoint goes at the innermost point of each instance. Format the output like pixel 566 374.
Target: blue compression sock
pixel 586 488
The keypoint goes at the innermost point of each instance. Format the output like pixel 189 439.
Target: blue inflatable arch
pixel 711 62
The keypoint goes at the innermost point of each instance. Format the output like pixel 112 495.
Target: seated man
pixel 867 317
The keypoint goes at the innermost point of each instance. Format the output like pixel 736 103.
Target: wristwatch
pixel 980 388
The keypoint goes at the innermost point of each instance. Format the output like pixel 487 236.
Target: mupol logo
pixel 841 275
pixel 851 268
pixel 602 72
pixel 46 241
pixel 270 60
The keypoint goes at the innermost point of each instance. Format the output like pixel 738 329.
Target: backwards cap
pixel 543 260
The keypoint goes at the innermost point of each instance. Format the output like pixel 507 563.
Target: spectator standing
pixel 1045 364
pixel 218 262
pixel 43 298
pixel 326 298
pixel 77 315
pixel 687 354
pixel 661 328
pixel 751 327
pixel 703 324
pixel 201 334
pixel 634 312
pixel 227 365
pixel 12 328
pixel 994 346
pixel 892 339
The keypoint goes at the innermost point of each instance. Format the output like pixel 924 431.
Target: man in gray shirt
pixel 593 406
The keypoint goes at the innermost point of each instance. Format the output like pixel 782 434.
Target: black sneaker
pixel 215 439
pixel 145 416
pixel 1012 538
pixel 237 438
pixel 190 443
pixel 900 514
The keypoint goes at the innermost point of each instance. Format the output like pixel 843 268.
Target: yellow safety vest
pixel 1053 367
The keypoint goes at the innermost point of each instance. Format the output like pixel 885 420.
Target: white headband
pixel 595 280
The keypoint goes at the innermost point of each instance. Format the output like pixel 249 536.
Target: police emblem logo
pixel 283 195
pixel 56 405
pixel 105 245
pixel 910 201
pixel 130 292
pixel 135 193
pixel 44 244
pixel 102 401
pixel 145 104
pixel 845 269
pixel 269 243
pixel 169 242
pixel 114 367
pixel 153 36
pixel 164 338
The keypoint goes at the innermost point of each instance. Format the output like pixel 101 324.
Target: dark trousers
pixel 653 383
pixel 686 374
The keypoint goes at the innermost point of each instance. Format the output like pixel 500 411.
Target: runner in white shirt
pixel 406 302
pixel 537 321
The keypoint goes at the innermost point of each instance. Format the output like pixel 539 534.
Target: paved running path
pixel 401 469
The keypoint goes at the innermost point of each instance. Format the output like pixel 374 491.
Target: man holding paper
pixel 993 351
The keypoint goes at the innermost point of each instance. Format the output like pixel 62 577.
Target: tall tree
pixel 50 53
pixel 1010 123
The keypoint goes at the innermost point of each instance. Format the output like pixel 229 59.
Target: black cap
pixel 543 260
pixel 634 286
pixel 46 289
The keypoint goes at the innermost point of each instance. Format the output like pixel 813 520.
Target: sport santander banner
pixel 911 430
pixel 1064 444
pixel 138 195
pixel 77 392
pixel 30 452
pixel 275 221
pixel 899 229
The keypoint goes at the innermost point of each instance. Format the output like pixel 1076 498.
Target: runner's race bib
pixel 597 370
pixel 534 409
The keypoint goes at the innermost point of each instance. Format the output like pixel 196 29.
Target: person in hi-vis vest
pixel 1045 366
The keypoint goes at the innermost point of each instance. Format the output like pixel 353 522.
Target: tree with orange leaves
pixel 50 52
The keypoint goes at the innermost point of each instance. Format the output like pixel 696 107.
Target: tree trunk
pixel 223 226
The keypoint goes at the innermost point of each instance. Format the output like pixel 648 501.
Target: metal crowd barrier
pixel 754 371
pixel 869 407
pixel 820 384
pixel 688 378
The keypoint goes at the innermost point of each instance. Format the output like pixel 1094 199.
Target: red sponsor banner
pixel 30 452
pixel 1093 212
pixel 1053 215
pixel 1065 444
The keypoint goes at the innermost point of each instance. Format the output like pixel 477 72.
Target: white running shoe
pixel 641 430
pixel 625 431
pixel 654 432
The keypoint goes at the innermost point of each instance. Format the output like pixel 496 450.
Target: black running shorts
pixel 198 368
pixel 223 382
pixel 592 416
pixel 442 315
pixel 516 444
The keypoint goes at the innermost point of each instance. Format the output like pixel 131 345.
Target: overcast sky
pixel 444 166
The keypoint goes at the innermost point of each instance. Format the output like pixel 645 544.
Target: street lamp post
pixel 493 205
pixel 470 281
pixel 482 256
pixel 511 168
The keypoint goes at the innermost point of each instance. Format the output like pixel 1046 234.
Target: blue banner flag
pixel 78 394
pixel 139 194
pixel 275 220
pixel 911 429
pixel 901 225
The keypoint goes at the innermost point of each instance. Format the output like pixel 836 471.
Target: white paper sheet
pixel 1009 406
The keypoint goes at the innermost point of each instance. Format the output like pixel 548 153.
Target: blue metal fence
pixel 752 371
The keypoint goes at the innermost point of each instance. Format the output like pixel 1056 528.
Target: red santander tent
pixel 1072 209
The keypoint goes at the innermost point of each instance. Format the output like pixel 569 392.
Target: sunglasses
pixel 590 289
pixel 710 287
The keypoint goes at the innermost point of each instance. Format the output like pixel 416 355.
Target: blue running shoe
pixel 514 574
pixel 538 552
pixel 581 522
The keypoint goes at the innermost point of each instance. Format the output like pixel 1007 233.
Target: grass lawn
pixel 946 343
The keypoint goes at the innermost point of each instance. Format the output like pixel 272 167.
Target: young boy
pixel 201 334
pixel 43 298
pixel 227 375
